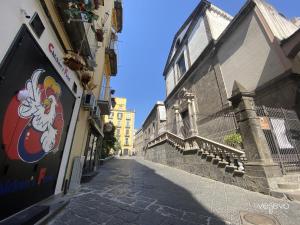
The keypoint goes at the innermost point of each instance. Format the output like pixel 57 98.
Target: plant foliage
pixel 234 139
pixel 110 142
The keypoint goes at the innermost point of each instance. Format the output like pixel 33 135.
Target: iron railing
pixel 282 132
pixel 217 126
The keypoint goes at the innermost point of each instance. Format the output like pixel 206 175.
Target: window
pixel 120 116
pixel 119 123
pixel 128 116
pixel 127 123
pixel 126 141
pixel 127 132
pixel 118 133
pixel 181 65
pixel 111 115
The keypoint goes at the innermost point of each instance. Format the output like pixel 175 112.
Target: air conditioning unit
pixel 96 112
pixel 88 101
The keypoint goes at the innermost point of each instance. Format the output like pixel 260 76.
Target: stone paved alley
pixel 135 191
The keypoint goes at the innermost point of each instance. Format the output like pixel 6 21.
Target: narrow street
pixel 134 191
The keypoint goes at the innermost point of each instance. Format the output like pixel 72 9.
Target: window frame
pixel 120 116
pixel 181 62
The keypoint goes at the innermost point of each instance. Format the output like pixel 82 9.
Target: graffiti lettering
pixel 42 175
pixel 62 67
pixel 20 185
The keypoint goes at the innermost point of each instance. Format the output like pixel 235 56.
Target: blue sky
pixel 144 44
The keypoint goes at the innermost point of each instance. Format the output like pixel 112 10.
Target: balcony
pixel 76 30
pixel 104 101
pixel 117 16
pixel 97 124
pixel 111 67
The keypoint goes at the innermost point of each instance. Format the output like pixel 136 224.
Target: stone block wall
pixel 193 163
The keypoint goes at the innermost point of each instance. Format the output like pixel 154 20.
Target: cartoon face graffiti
pixel 33 121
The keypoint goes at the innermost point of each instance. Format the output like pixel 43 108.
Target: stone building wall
pixel 282 93
pixel 193 163
pixel 209 92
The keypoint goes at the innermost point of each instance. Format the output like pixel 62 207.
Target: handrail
pixel 219 144
pixel 223 154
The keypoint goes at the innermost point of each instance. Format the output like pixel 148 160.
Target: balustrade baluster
pixel 220 155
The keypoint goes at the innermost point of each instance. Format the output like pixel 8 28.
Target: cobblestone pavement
pixel 134 191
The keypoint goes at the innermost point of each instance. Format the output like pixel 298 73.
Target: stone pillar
pixel 177 119
pixel 194 116
pixel 190 102
pixel 260 167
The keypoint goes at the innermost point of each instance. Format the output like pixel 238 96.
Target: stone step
pixel 292 195
pixel 294 178
pixel 288 185
pixel 209 158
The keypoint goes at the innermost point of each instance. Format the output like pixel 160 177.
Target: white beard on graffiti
pixel 32 107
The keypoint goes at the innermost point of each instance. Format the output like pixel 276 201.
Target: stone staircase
pixel 200 156
pixel 207 158
pixel 287 186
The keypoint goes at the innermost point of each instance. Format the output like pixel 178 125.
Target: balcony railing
pixel 111 66
pixel 117 19
pixel 76 29
pixel 104 101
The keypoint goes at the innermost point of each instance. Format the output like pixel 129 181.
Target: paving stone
pixel 141 204
pixel 126 200
pixel 74 220
pixel 153 207
pixel 174 221
pixel 138 192
pixel 115 221
pixel 167 211
pixel 151 218
pixel 126 216
pixel 195 218
pixel 98 217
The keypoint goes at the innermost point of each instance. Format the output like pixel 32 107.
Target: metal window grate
pixel 283 136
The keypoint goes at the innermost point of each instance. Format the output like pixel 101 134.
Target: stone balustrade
pixel 218 154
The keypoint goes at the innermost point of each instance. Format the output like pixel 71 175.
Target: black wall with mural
pixel 33 125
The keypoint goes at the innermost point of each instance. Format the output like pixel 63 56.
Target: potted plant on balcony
pixel 97 3
pixel 77 9
pixel 87 80
pixel 85 77
pixel 99 35
pixel 74 61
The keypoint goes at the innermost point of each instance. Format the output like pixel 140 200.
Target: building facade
pixel 97 101
pixel 155 123
pixel 235 75
pixel 138 142
pixel 123 120
pixel 64 57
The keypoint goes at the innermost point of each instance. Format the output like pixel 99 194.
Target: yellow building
pixel 123 120
pixel 66 51
pixel 96 41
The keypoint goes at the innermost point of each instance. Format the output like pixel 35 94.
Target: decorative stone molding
pixel 185 98
pixel 186 101
pixel 220 12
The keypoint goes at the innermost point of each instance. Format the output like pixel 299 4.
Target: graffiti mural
pixel 35 113
pixel 33 122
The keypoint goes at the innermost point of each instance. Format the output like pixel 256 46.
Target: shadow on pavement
pixel 156 199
